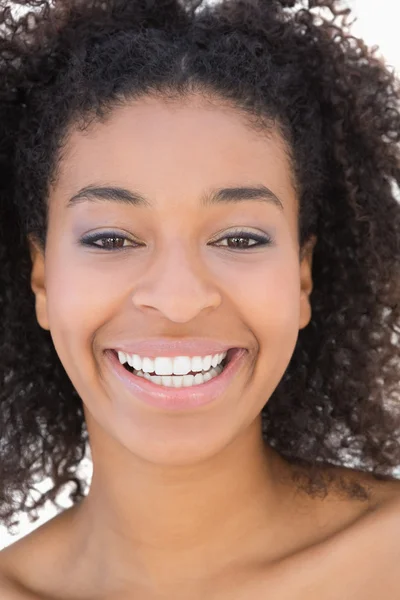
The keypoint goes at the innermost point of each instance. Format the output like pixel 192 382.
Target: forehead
pixel 178 148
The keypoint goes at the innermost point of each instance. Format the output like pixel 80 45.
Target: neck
pixel 146 524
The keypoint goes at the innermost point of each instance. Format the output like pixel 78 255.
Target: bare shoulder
pixel 364 559
pixel 26 563
pixel 380 511
pixel 359 560
pixel 10 587
pixel 12 590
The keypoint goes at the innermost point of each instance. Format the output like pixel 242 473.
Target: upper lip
pixel 173 347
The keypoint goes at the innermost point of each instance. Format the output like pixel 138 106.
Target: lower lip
pixel 178 398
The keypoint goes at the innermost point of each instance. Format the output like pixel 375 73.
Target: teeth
pixel 183 380
pixel 197 364
pixel 122 357
pixel 178 365
pixel 214 361
pixel 148 365
pixel 136 362
pixel 208 360
pixel 181 365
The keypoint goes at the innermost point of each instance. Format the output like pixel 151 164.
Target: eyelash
pixel 89 240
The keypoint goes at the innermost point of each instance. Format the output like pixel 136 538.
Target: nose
pixel 178 285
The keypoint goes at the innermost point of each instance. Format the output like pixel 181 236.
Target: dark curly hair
pixel 284 63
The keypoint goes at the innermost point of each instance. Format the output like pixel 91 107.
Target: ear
pixel 306 282
pixel 38 281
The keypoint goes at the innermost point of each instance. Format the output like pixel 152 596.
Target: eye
pixel 242 238
pixel 108 241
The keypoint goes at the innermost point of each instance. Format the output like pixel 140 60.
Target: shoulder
pixel 12 590
pixel 372 547
pixel 352 548
pixel 24 565
pixel 361 560
pixel 380 509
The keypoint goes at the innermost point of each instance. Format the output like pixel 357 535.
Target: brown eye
pixel 112 242
pixel 107 241
pixel 241 241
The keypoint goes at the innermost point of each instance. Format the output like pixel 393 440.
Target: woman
pixel 200 282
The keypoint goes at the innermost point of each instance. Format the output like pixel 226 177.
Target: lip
pixel 169 398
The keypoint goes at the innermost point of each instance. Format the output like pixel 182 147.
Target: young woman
pixel 199 283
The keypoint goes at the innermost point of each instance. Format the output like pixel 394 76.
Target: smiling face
pixel 171 265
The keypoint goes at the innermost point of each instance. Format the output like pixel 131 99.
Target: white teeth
pixel 122 357
pixel 147 365
pixel 137 362
pixel 163 366
pixel 178 365
pixel 215 360
pixel 182 365
pixel 207 361
pixel 183 380
pixel 197 364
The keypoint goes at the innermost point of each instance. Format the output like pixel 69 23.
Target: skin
pixel 195 505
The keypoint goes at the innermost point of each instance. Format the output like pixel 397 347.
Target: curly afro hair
pixel 292 64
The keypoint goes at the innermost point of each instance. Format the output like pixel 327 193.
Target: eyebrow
pixel 95 193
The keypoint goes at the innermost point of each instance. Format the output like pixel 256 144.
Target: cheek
pixel 79 302
pixel 273 312
pixel 271 297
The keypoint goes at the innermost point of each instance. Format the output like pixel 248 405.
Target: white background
pixel 377 23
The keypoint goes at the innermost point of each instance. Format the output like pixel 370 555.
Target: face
pixel 173 268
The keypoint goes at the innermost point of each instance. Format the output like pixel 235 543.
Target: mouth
pixel 189 379
pixel 180 392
